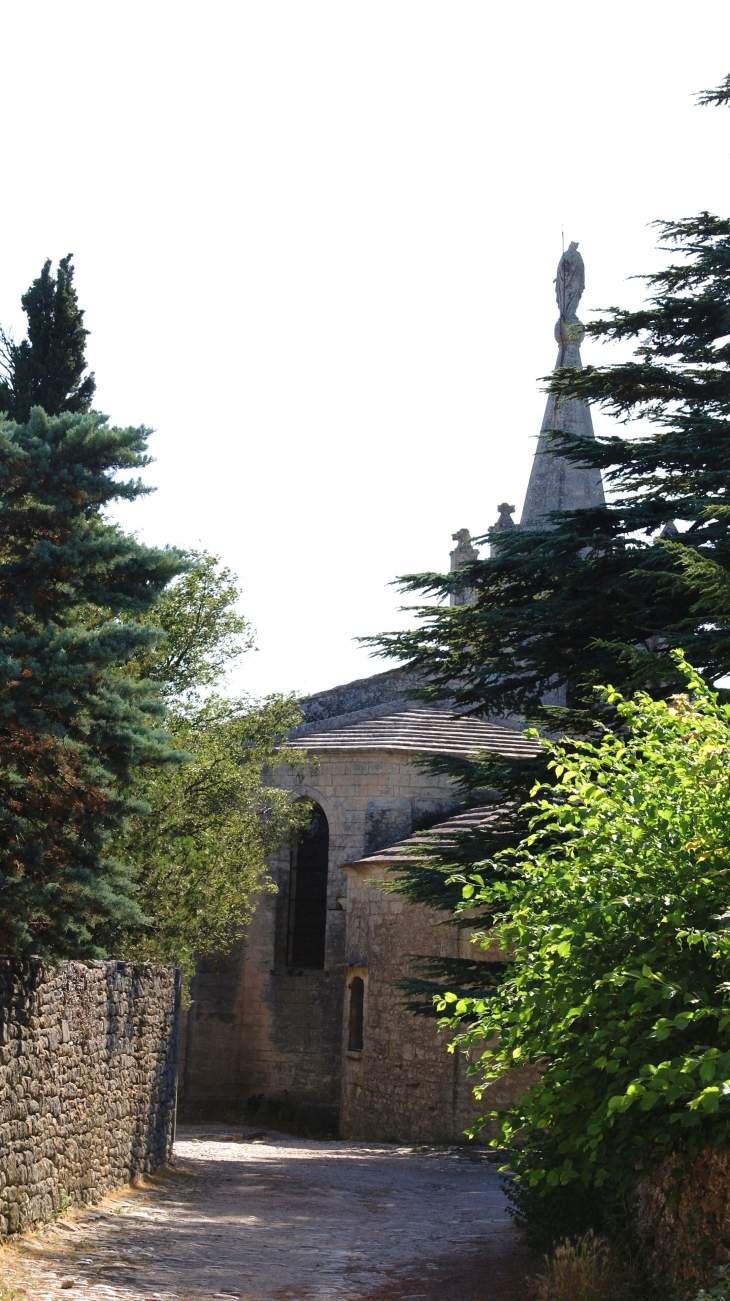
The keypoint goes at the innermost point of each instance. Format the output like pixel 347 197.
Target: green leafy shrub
pixel 614 909
pixel 548 1216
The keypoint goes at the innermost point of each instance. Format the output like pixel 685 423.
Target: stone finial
pixel 670 530
pixel 504 523
pixel 505 520
pixel 463 551
pixel 462 554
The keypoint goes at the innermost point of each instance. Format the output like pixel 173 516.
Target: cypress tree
pixel 46 369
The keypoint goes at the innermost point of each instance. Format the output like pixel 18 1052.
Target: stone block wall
pixel 404 1085
pixel 682 1219
pixel 88 1070
pixel 355 702
pixel 258 1028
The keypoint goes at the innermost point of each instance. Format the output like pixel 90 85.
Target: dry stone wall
pixel 683 1219
pixel 88 1068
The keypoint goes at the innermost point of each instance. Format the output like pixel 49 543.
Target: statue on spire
pixel 555 482
pixel 570 282
pixel 569 285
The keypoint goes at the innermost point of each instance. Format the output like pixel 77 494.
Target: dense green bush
pixel 614 910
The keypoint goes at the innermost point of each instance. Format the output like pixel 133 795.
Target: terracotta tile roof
pixel 422 731
pixel 442 835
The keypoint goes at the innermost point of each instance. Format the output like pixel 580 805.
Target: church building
pixel 307 1015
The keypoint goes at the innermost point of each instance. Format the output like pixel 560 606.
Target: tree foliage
pixel 73 725
pixel 601 594
pixel 116 836
pixel 202 630
pixel 47 368
pixel 198 851
pixel 614 912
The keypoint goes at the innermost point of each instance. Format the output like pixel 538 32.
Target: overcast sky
pixel 315 243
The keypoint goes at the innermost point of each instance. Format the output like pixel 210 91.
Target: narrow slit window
pixel 357 1008
pixel 307 924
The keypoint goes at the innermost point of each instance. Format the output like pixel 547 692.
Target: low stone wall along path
pixel 261 1216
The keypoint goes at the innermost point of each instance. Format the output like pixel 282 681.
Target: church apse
pixel 307 1015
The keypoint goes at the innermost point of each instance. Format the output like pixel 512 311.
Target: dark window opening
pixel 308 895
pixel 357 1007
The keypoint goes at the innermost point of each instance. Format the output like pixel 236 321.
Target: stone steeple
pixel 556 483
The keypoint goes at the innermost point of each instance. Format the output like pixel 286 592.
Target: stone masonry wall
pixel 355 702
pixel 404 1085
pixel 88 1068
pixel 258 1028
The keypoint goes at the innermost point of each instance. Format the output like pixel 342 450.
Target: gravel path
pixel 266 1217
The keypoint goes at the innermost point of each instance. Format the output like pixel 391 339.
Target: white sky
pixel 315 243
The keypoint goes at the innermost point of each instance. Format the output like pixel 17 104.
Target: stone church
pixel 307 1015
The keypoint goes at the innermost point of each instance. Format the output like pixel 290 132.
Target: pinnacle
pixel 555 482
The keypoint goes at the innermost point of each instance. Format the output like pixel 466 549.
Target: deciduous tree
pixel 199 849
pixel 613 910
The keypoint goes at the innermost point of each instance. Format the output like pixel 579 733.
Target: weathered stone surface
pixel 280 1218
pixel 683 1218
pixel 423 731
pixel 88 1070
pixel 463 554
pixel 556 483
pixel 404 1085
pixel 259 1028
pixel 359 700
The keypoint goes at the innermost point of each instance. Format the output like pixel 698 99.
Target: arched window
pixel 357 1008
pixel 307 921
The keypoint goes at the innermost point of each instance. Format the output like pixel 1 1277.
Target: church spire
pixel 556 483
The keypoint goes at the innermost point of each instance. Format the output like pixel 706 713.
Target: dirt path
pixel 274 1218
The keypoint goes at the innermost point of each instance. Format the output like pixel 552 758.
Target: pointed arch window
pixel 307 920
